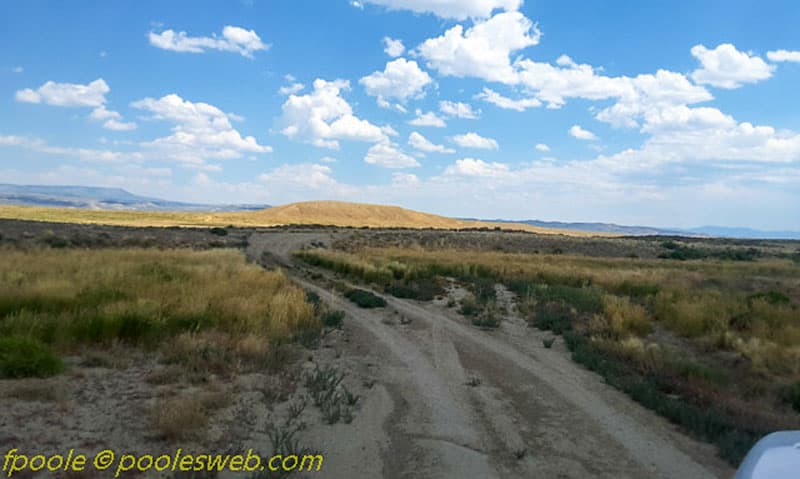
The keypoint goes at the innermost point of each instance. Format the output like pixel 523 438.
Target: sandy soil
pixel 453 401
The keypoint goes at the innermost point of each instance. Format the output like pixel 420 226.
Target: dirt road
pixel 453 401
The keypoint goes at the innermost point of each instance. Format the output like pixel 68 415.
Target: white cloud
pixel 291 89
pixel 18 69
pixel 581 134
pixel 499 100
pixel 645 95
pixel 302 175
pixel 401 80
pixel 458 110
pixel 388 155
pixel 783 56
pixel 83 154
pixel 327 159
pixel 428 119
pixel 542 147
pixel 77 95
pixel 323 117
pixel 456 9
pixel 67 94
pixel 394 48
pixel 404 180
pixel 201 131
pixel 233 39
pixel 726 67
pixel 419 142
pixel 476 168
pixel 474 140
pixel 357 4
pixel 552 84
pixel 113 120
pixel 483 50
pixel 117 125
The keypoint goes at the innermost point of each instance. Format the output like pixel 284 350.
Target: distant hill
pixel 101 198
pixel 340 213
pixel 328 213
pixel 702 231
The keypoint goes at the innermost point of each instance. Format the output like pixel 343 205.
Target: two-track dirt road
pixel 453 401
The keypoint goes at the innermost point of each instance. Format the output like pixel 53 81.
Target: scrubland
pixel 196 307
pixel 713 344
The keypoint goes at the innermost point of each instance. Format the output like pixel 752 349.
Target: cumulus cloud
pixel 388 155
pixel 291 89
pixel 581 134
pixel 783 56
pixel 322 117
pixel 92 94
pixel 542 147
pixel 233 39
pixel 491 96
pixel 474 140
pixel 483 50
pixel 455 9
pixel 727 67
pixel 477 168
pixel 420 143
pixel 428 119
pixel 393 47
pixel 401 79
pixel 200 131
pixel 458 110
pixel 77 95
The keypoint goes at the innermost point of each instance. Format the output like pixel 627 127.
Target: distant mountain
pixel 746 233
pixel 101 198
pixel 702 231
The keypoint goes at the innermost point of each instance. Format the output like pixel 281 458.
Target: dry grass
pixel 332 213
pixel 710 301
pixel 179 418
pixel 208 311
pixel 70 295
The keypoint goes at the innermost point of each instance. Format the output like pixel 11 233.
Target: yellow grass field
pixel 329 213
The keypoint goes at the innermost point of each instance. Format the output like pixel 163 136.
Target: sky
pixel 671 114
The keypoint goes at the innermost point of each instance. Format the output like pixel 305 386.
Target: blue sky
pixel 660 113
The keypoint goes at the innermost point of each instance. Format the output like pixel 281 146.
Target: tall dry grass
pixel 69 297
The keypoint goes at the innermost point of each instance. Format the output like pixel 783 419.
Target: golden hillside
pixel 332 213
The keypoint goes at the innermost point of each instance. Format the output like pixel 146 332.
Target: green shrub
pixel 333 319
pixel 422 289
pixel 22 357
pixel 636 290
pixel 656 392
pixel 219 231
pixel 553 316
pixel 469 308
pixel 365 299
pixel 771 297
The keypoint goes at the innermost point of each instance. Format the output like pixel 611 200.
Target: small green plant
pixel 548 342
pixel 22 357
pixel 469 307
pixel 333 319
pixel 365 299
pixel 219 231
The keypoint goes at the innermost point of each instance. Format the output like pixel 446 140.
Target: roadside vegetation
pixel 208 311
pixel 711 341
